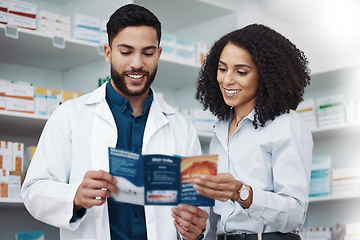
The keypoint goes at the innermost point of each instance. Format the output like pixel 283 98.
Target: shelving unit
pixel 32 57
pixel 79 65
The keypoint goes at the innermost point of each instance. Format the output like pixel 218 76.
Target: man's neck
pixel 136 102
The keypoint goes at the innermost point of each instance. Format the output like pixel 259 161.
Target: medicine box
pixel 18 156
pixel 53 17
pixel 29 236
pixel 3 17
pixel 4 4
pixel 86 34
pixel 14 186
pixel 2 103
pixel 22 8
pixel 19 105
pixel 6 155
pixel 86 21
pixel 4 183
pixel 23 90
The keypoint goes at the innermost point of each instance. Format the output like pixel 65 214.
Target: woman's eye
pixel 221 69
pixel 125 53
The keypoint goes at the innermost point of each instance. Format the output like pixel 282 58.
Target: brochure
pixel 158 179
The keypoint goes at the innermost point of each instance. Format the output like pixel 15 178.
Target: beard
pixel 119 81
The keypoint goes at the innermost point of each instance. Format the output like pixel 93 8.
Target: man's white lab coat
pixel 75 140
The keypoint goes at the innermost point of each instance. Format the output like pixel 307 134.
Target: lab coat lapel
pixel 103 135
pixel 156 119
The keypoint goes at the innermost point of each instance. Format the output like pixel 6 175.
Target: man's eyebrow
pixel 125 45
pixel 131 47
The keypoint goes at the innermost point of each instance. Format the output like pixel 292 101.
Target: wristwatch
pixel 243 193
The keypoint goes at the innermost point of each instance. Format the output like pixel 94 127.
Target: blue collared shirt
pixel 127 221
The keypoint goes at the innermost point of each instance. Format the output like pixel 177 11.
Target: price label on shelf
pixel 58 42
pixel 11 31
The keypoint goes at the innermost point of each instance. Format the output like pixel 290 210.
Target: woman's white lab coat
pixel 75 140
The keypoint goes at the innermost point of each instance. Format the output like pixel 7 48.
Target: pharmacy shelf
pixel 21 124
pixel 36 49
pixel 6 203
pixel 338 130
pixel 334 198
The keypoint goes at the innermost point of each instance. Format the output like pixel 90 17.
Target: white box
pixel 14 186
pixel 2 103
pixel 3 84
pixel 202 49
pixel 3 17
pixel 350 111
pixel 4 183
pixel 86 34
pixel 86 21
pixel 19 105
pixel 22 22
pixel 40 104
pixel 185 44
pixel 4 5
pixel 168 40
pixel 23 90
pixel 185 56
pixel 22 8
pixel 53 17
pixel 6 155
pixel 168 52
pixel 18 157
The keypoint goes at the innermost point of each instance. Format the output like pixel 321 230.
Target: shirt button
pixel 136 150
pixel 135 215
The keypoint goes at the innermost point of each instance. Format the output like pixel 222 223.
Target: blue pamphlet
pixel 158 179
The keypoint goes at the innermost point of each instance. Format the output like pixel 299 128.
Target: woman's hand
pixel 220 187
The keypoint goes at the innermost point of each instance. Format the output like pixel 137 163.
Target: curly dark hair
pixel 283 73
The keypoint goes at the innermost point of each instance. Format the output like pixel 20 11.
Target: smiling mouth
pixel 229 91
pixel 135 76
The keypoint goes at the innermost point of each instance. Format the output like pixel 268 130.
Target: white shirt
pixel 275 160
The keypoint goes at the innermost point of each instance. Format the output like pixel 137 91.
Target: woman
pixel 252 80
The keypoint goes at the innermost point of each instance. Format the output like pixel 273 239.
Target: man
pixel 68 184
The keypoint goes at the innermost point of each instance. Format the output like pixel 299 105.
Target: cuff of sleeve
pixel 258 204
pixel 77 214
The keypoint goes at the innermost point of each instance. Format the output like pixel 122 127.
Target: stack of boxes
pixel 86 28
pixel 24 97
pixel 54 24
pixel 329 111
pixel 345 181
pixel 183 50
pixel 11 168
pixel 341 231
pixel 22 14
pixel 4 4
pixel 306 109
pixel 203 120
pixel 320 176
pixel 18 97
pixel 317 233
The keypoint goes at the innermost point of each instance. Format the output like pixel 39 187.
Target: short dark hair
pixel 283 73
pixel 131 15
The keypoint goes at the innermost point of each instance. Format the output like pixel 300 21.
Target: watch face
pixel 244 193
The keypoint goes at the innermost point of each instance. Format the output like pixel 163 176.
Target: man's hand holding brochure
pixel 158 179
